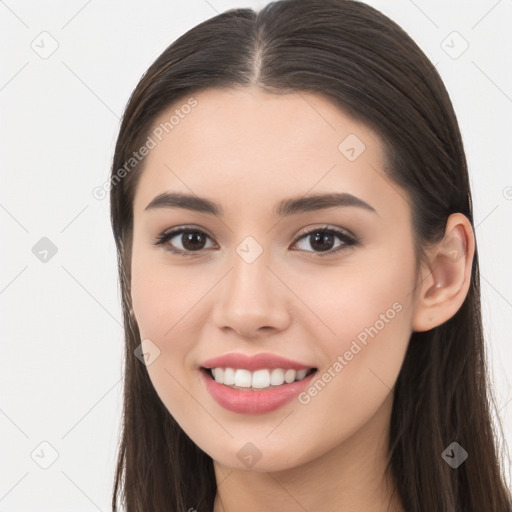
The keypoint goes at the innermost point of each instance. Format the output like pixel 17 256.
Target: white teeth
pixel 229 376
pixel 243 378
pixel 289 376
pixel 300 374
pixel 261 379
pixel 258 379
pixel 277 377
pixel 218 374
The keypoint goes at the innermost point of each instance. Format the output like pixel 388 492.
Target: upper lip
pixel 255 362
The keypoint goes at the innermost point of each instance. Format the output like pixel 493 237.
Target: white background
pixel 62 343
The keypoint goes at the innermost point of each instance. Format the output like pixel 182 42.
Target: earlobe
pixel 447 276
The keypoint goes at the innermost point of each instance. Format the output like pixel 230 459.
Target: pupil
pixel 189 241
pixel 318 237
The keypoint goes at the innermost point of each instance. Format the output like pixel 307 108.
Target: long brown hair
pixel 359 58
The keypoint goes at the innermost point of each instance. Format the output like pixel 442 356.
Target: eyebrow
pixel 284 208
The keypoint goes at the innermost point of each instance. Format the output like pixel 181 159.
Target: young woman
pixel 300 283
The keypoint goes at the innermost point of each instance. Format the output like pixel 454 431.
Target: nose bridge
pixel 249 281
pixel 251 297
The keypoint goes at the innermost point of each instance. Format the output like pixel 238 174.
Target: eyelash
pixel 348 241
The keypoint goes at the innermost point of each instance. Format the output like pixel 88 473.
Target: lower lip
pixel 254 402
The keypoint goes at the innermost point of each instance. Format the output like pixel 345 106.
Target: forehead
pixel 247 119
pixel 246 143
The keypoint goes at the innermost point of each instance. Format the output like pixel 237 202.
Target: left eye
pixel 193 240
pixel 323 239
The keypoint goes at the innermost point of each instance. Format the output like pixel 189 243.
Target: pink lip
pixel 254 402
pixel 252 363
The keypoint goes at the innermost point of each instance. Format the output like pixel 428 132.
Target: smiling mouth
pixel 246 380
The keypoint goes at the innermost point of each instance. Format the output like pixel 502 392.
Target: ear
pixel 447 276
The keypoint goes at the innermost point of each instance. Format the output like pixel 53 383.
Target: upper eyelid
pixel 325 227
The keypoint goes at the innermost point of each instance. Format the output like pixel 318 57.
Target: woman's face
pixel 261 277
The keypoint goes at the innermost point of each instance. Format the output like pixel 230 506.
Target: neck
pixel 349 478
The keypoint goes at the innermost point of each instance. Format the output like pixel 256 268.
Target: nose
pixel 251 300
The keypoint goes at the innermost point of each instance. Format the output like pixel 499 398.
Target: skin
pixel 246 150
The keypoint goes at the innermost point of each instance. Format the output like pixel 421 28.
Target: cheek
pixel 370 312
pixel 163 296
pixel 165 301
pixel 169 306
pixel 368 290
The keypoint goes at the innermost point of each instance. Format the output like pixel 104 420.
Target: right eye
pixel 192 240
